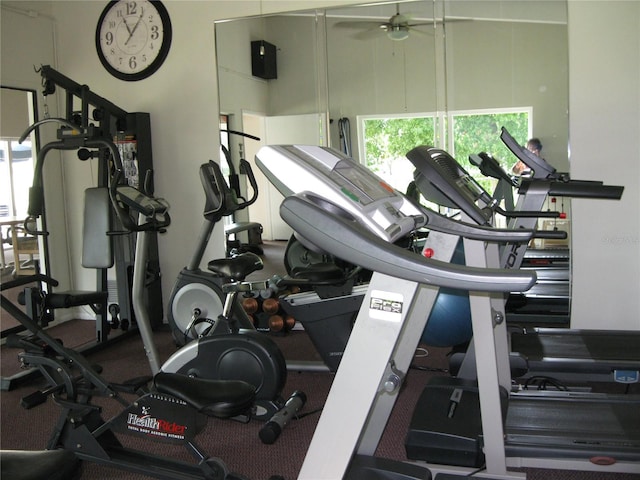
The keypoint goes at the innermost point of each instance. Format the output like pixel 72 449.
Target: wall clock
pixel 133 38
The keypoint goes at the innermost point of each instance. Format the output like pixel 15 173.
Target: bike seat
pixel 236 268
pixel 215 398
pixel 49 464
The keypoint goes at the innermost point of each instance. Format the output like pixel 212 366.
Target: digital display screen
pixel 367 187
pixel 353 179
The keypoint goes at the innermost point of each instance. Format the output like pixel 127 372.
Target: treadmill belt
pixel 596 346
pixel 574 426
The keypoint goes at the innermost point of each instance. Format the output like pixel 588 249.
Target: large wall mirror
pixel 22 253
pixel 360 75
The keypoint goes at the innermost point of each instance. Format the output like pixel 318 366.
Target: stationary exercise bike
pixel 197 297
pixel 173 409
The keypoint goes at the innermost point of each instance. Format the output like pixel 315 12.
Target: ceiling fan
pixel 397 27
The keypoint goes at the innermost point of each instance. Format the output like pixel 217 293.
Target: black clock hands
pixel 131 32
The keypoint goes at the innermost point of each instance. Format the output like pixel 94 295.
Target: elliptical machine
pixel 173 410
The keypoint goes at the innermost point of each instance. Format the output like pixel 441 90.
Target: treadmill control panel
pixel 351 187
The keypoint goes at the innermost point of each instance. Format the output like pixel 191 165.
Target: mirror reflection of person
pixel 534 146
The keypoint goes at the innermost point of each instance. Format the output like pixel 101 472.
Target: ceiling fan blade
pixel 358 24
pixel 368 34
pixel 440 21
pixel 422 24
pixel 398 22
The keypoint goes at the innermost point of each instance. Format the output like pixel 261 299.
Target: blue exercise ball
pixel 450 320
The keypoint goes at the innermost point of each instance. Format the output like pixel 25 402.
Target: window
pixel 16 176
pixel 384 141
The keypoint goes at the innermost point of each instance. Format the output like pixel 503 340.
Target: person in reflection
pixel 534 146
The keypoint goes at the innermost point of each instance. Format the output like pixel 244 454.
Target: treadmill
pixel 548 302
pixel 336 205
pixel 350 213
pixel 564 354
pixel 562 429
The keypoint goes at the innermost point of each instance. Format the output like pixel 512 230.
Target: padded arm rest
pixel 74 298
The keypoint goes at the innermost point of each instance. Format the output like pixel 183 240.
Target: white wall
pixel 513 65
pixel 604 131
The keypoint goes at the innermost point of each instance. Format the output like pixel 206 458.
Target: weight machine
pixel 88 125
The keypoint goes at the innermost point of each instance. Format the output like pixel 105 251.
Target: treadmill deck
pixel 574 425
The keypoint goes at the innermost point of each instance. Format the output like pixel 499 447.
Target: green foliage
pixel 392 138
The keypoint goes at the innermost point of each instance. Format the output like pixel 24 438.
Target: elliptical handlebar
pixel 125 198
pixel 220 200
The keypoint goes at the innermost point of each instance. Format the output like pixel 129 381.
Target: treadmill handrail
pixel 341 235
pixel 440 223
pixel 490 167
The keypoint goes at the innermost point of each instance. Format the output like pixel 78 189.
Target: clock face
pixel 133 38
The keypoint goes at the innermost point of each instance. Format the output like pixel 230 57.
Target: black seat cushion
pixel 238 267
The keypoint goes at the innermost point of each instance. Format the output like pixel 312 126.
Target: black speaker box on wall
pixel 263 60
